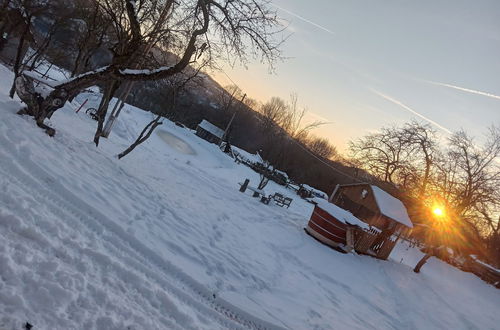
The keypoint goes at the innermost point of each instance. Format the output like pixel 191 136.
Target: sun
pixel 438 212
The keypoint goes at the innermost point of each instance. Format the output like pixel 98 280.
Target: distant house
pixel 209 132
pixel 372 205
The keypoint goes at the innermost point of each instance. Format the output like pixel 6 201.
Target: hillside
pixel 163 239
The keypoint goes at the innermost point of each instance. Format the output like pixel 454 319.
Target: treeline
pixel 456 174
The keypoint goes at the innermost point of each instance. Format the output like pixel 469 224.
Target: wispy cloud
pixel 468 90
pixel 407 108
pixel 318 117
pixel 303 19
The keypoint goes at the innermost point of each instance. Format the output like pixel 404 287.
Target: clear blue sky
pixel 364 64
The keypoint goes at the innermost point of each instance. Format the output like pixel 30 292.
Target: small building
pixel 373 205
pixel 210 132
pixel 359 216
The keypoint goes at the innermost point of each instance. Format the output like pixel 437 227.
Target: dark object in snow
pixel 244 185
pixel 281 200
pixel 278 198
pixel 421 263
pixel 429 252
pixel 92 113
pixel 25 89
pixel 28 326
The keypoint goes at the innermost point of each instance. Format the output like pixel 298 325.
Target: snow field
pixel 162 239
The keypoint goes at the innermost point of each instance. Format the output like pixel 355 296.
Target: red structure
pixel 326 228
pixel 331 225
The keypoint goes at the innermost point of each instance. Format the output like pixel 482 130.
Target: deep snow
pixel 163 239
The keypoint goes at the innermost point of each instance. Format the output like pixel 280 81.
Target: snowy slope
pixel 163 239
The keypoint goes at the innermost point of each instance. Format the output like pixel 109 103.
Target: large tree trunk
pixel 19 53
pixel 110 90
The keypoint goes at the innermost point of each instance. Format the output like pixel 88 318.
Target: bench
pixel 280 200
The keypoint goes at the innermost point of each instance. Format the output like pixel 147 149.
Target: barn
pixel 208 131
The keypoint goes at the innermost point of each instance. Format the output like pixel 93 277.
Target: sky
pixel 364 64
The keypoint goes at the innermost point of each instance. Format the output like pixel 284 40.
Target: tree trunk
pixel 3 41
pixel 17 62
pixel 421 263
pixel 103 108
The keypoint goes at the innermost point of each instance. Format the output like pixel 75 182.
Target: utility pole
pixel 231 121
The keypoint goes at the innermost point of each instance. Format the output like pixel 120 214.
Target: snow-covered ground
pixel 163 239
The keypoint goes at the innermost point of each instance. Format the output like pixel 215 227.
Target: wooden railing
pixel 364 240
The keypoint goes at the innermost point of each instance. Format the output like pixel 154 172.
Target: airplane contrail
pixel 407 108
pixel 468 90
pixel 303 19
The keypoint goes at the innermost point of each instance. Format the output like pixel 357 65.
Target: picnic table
pixel 278 198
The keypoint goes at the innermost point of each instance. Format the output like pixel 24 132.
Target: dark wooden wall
pixel 366 209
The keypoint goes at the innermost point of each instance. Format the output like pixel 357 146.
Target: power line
pixel 325 163
pixel 304 148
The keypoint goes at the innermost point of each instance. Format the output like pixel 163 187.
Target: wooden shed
pixel 373 205
pixel 208 131
pixel 360 216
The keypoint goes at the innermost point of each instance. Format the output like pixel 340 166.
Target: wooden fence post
pixel 244 185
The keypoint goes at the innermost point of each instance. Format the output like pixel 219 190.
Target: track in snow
pixel 129 257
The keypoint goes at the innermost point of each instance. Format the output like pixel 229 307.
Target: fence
pixel 482 270
pixel 364 240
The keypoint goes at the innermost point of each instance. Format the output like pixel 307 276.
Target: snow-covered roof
pixel 247 155
pixel 315 191
pixel 209 127
pixel 339 213
pixel 281 172
pixel 391 207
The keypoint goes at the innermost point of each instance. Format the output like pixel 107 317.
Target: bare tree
pixel 273 113
pixel 383 154
pixel 293 121
pixel 91 33
pixel 282 122
pixel 176 86
pixel 240 27
pixel 468 175
pixel 28 9
pixel 420 139
pixel 228 97
pixel 321 147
